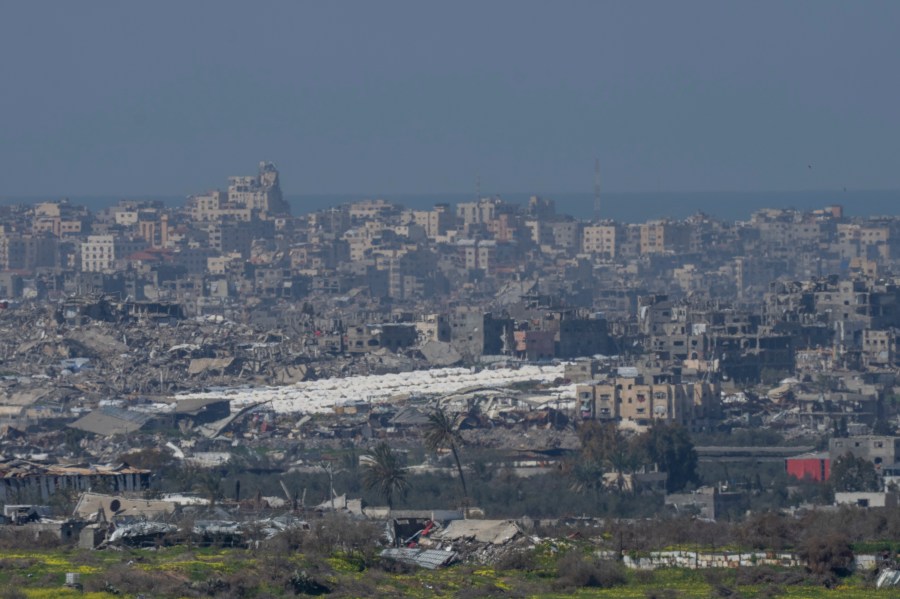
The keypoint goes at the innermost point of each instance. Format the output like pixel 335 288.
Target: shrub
pixel 25 537
pixel 16 564
pixel 125 579
pixel 523 560
pixel 576 570
pixel 392 566
pixel 828 554
pixel 481 592
pixel 337 533
pixel 770 591
pixel 301 582
pixel 12 593
pixel 768 575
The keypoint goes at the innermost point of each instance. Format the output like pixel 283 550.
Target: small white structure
pixel 868 499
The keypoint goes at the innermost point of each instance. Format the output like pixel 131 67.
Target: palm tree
pixel 384 473
pixel 586 475
pixel 209 483
pixel 442 432
pixel 605 445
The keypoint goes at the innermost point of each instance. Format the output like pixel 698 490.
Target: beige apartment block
pixel 599 240
pixel 635 404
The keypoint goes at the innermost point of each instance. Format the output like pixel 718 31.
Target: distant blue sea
pixel 639 207
pixel 623 207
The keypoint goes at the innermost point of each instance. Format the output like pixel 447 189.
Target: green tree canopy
pixel 385 473
pixel 670 447
pixel 853 474
pixel 605 447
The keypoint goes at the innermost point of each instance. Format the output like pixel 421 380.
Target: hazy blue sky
pixel 171 97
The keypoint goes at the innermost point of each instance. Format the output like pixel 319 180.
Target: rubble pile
pixel 123 357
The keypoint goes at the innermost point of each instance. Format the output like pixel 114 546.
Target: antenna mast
pixel 596 189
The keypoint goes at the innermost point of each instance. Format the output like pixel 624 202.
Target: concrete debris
pixel 100 507
pixel 203 365
pixel 341 504
pixel 140 532
pixel 440 353
pixel 494 532
pixel 20 514
pixel 143 531
pixel 208 459
pixel 96 342
pixel 225 531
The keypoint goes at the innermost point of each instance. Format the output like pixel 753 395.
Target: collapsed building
pixel 23 481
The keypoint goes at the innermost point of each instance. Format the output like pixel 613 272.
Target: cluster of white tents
pixel 323 395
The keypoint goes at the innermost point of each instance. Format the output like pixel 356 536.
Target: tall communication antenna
pixel 477 187
pixel 596 189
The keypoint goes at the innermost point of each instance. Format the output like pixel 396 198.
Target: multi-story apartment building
pixel 661 236
pixel 27 252
pixel 261 192
pixel 436 222
pixel 880 450
pixel 636 404
pixel 477 213
pixel 247 197
pixel 566 234
pixel 599 240
pixel 98 253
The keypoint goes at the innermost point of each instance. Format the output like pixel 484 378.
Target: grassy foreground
pixel 205 572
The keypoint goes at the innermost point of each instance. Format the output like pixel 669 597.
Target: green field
pixel 205 572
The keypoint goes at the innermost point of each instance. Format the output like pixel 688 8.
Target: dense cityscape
pixel 479 376
pixel 508 299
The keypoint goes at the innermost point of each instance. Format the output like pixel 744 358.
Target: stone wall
pixel 695 560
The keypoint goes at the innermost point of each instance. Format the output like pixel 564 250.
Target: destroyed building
pixel 24 482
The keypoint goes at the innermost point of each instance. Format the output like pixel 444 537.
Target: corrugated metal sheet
pixel 193 405
pixel 431 559
pixel 22 468
pixel 888 579
pixel 110 420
